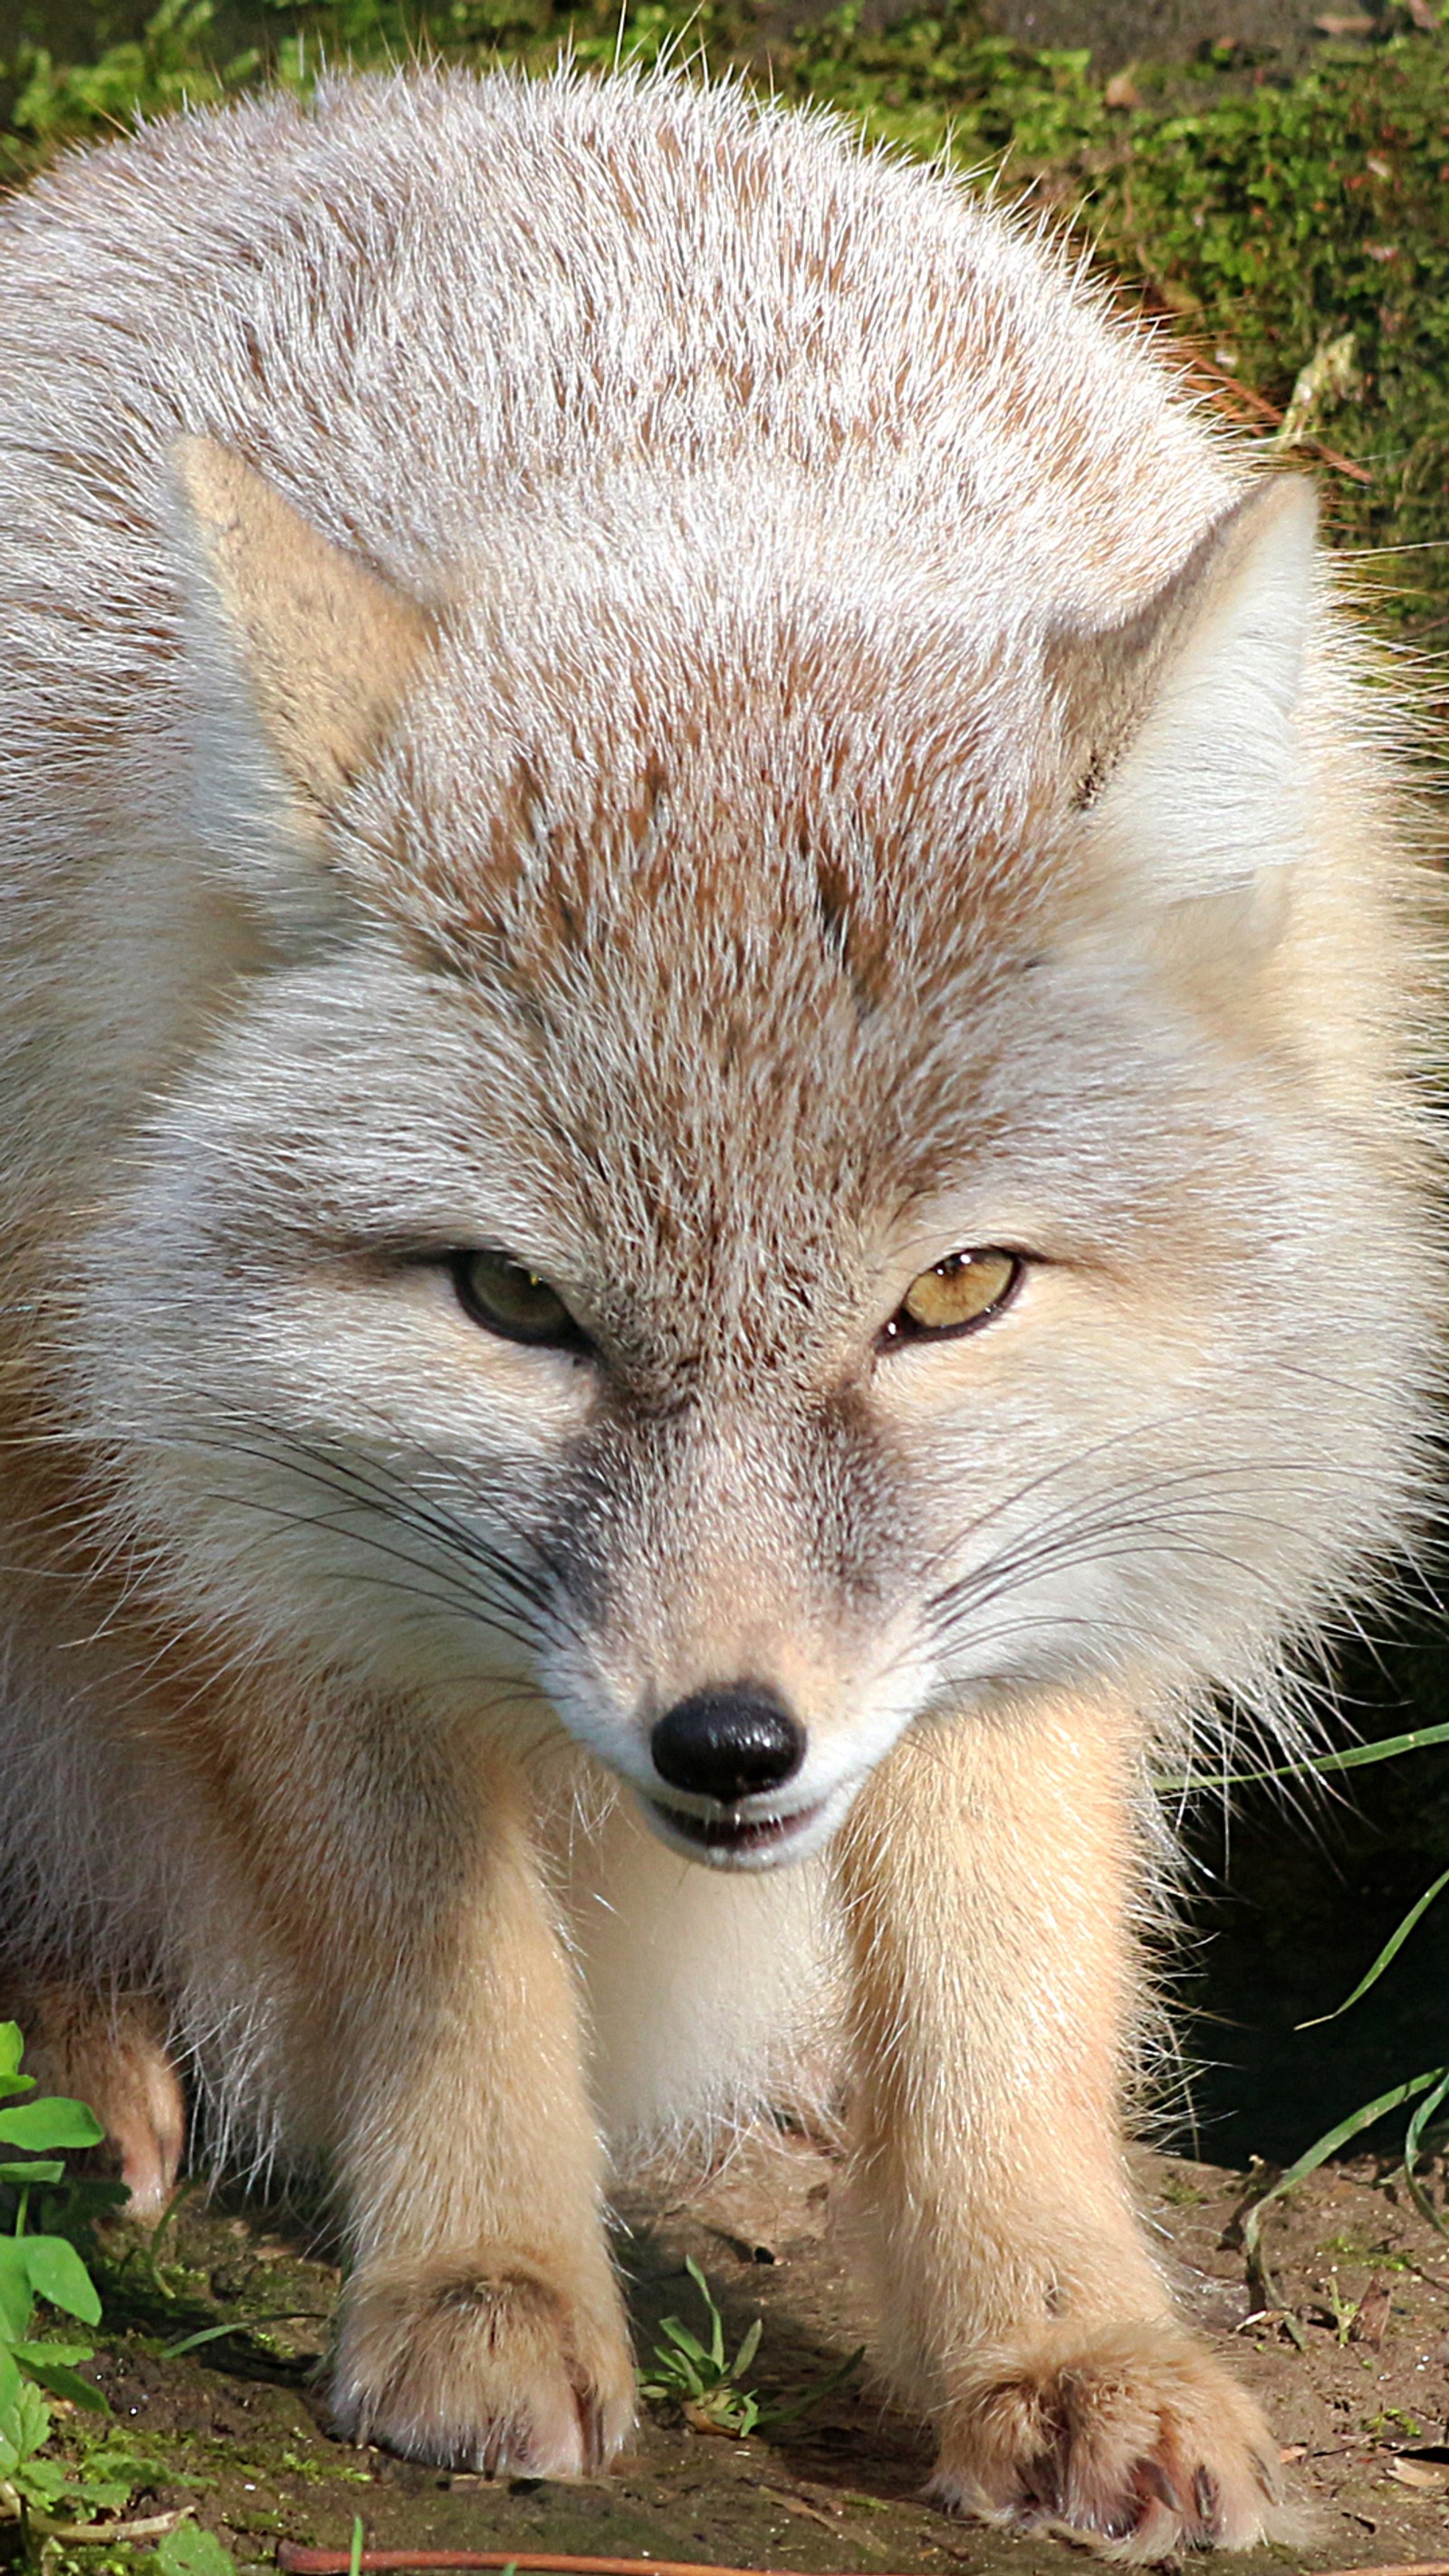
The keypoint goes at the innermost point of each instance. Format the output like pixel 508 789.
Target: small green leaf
pixel 42 2482
pixel 58 2274
pixel 52 2121
pixel 32 2417
pixel 39 2169
pixel 748 2348
pixel 9 2389
pixel 58 2380
pixel 11 2050
pixel 190 2551
pixel 106 2494
pixel 16 2296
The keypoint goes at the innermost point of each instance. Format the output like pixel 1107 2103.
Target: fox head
pixel 774 1160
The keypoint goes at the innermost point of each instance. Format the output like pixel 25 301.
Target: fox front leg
pixel 439 2043
pixel 987 1874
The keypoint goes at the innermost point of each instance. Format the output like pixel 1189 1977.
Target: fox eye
pixel 960 1293
pixel 507 1298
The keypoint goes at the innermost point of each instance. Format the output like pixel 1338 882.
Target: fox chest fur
pixel 714 1190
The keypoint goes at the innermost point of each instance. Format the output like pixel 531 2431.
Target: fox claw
pixel 1094 2433
pixel 483 2361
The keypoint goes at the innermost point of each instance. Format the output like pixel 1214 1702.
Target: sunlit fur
pixel 792 789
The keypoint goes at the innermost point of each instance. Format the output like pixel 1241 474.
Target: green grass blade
pixel 834 2379
pixel 1312 2157
pixel 1413 2137
pixel 680 2373
pixel 1387 1954
pixel 241 2326
pixel 716 2321
pixel 1352 1760
pixel 181 2194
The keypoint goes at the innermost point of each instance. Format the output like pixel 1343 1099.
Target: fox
pixel 720 1204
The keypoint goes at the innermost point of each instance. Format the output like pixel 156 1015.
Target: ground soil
pixel 1349 2351
pixel 1284 33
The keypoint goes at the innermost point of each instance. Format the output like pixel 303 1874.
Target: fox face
pixel 744 1201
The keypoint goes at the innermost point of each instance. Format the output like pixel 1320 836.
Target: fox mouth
pixel 730 1836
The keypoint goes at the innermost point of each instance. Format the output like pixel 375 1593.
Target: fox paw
pixel 112 2056
pixel 1132 2435
pixel 484 2360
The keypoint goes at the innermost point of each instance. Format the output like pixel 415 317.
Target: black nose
pixel 728 1742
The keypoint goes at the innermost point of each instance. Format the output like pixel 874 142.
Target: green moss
pixel 1180 2194
pixel 1269 220
pixel 168 66
pixel 1375 2258
pixel 1291 217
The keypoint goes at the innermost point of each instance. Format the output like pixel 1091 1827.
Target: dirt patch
pixel 1119 32
pixel 1353 2367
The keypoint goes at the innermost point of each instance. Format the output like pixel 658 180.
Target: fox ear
pixel 1184 757
pixel 302 656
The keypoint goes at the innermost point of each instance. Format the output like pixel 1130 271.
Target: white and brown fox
pixel 713 1196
